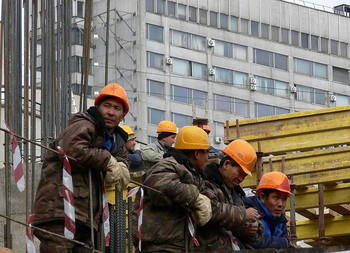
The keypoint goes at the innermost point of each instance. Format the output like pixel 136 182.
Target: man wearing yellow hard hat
pixel 153 152
pixel 134 155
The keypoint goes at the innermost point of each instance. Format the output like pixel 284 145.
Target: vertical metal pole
pixel 270 163
pixel 227 130
pixel 293 227
pixel 91 212
pixel 237 129
pixel 321 223
pixel 259 164
pixel 283 164
pixel 107 42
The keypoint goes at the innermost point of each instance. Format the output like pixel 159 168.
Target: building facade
pixel 222 60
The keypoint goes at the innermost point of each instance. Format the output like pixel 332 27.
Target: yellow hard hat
pixel 166 126
pixel 242 153
pixel 128 129
pixel 114 90
pixel 192 138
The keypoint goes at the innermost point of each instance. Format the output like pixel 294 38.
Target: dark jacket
pixel 229 213
pixel 135 160
pixel 82 140
pixel 164 216
pixel 275 228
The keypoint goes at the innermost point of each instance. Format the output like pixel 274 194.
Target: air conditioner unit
pixel 169 61
pixel 218 140
pixel 253 87
pixel 252 80
pixel 211 43
pixel 211 71
pixel 333 98
pixel 293 89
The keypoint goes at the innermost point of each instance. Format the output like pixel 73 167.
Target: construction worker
pixel 134 155
pixel 178 184
pixel 153 152
pixel 226 230
pixel 95 142
pixel 271 199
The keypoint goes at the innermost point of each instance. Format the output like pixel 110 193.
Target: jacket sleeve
pixel 150 153
pixel 224 215
pixel 135 158
pixel 165 178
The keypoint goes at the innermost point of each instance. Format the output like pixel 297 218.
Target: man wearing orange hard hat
pixel 95 142
pixel 271 199
pixel 153 152
pixel 226 230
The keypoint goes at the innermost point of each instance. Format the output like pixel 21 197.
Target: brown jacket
pixel 82 140
pixel 164 225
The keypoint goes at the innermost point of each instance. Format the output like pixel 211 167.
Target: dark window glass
pixel 254 28
pixel 213 19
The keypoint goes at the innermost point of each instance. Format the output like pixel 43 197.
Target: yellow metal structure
pixel 313 149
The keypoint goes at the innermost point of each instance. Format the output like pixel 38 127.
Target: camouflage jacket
pixel 164 225
pixel 228 213
pixel 82 140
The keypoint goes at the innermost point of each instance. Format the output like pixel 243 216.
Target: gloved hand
pixel 202 210
pixel 117 174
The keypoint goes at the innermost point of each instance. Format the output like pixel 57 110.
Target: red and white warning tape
pixel 17 162
pixel 69 210
pixel 29 236
pixel 105 215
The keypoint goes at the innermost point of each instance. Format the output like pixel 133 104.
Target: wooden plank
pixel 337 226
pixel 295 131
pixel 308 213
pixel 343 209
pixel 333 196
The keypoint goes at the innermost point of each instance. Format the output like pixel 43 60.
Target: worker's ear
pixel 262 197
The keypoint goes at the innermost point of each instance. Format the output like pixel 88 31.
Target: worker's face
pixel 130 144
pixel 233 175
pixel 112 112
pixel 276 202
pixel 169 141
pixel 201 159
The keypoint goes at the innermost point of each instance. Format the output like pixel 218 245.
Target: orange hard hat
pixel 192 138
pixel 242 153
pixel 166 126
pixel 274 180
pixel 129 131
pixel 206 128
pixel 114 90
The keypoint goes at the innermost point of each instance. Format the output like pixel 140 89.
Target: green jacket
pixel 164 216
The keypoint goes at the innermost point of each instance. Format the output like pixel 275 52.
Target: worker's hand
pixel 250 228
pixel 202 210
pixel 117 174
pixel 251 214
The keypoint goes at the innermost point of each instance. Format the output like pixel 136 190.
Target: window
pixel 231 105
pixel 275 33
pixel 240 79
pixel 171 9
pixel 187 40
pixel 342 100
pixel 305 40
pixel 314 42
pixel 265 31
pixel 334 47
pixel 181 120
pixel 285 36
pixel 152 139
pixel 320 70
pixel 155 32
pixel 223 48
pixel 155 88
pixel 343 49
pixel 186 95
pixel 150 5
pixel 295 38
pixel 234 24
pixel 310 68
pixel 324 45
pixel 219 128
pixel 192 14
pixel 76 64
pixel 155 60
pixel 271 86
pixel 160 7
pixel 262 110
pixel 80 9
pixel 311 95
pixel 254 28
pixel 181 67
pixel 181 11
pixel 240 52
pixel 244 25
pixel 340 75
pixel 203 17
pixel 199 70
pixel 223 21
pixel 270 59
pixel 213 19
pixel 77 36
pixel 155 116
pixel 228 76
